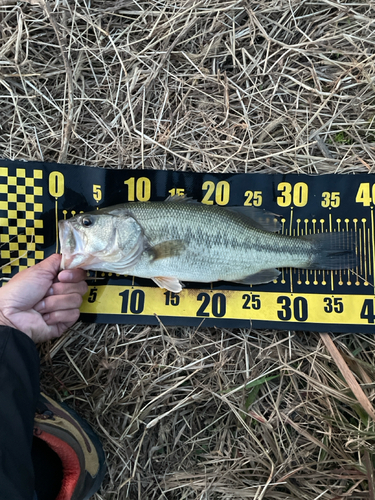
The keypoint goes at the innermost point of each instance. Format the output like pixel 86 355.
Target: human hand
pixel 41 301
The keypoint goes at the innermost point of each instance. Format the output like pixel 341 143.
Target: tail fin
pixel 334 250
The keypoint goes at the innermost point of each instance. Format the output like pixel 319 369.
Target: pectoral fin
pixel 172 248
pixel 171 284
pixel 264 276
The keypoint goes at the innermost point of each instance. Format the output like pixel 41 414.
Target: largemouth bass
pixel 178 240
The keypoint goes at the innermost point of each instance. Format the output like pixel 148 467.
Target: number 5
pixel 97 192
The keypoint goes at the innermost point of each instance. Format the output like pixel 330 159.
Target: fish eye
pixel 86 221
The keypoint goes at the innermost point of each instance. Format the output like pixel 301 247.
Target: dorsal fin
pixel 258 218
pixel 176 198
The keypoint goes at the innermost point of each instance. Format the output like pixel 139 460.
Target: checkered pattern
pixel 21 226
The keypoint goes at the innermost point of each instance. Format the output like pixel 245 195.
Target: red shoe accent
pixel 70 464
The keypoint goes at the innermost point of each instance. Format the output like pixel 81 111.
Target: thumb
pixel 47 269
pixel 51 264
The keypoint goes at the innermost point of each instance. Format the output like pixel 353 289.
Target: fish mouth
pixel 72 246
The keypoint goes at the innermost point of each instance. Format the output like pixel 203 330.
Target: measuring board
pixel 34 196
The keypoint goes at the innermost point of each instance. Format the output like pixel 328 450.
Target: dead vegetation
pixel 219 86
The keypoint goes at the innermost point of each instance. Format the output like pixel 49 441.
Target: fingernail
pixel 68 275
pixel 40 306
pixel 50 291
pixel 46 317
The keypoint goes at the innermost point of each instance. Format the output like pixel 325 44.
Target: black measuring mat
pixel 35 195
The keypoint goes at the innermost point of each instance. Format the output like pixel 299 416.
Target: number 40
pixel 364 195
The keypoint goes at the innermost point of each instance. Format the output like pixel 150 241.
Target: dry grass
pixel 234 86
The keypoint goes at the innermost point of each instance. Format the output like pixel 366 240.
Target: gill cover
pixel 108 242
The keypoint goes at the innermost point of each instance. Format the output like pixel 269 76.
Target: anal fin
pixel 264 276
pixel 171 284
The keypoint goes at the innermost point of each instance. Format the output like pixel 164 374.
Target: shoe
pixel 76 445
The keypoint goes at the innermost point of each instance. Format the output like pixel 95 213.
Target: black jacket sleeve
pixel 19 391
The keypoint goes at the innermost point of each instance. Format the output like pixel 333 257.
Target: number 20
pixel 221 191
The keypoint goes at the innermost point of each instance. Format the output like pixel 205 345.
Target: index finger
pixel 72 275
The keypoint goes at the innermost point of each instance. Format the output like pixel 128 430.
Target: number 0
pixel 56 184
